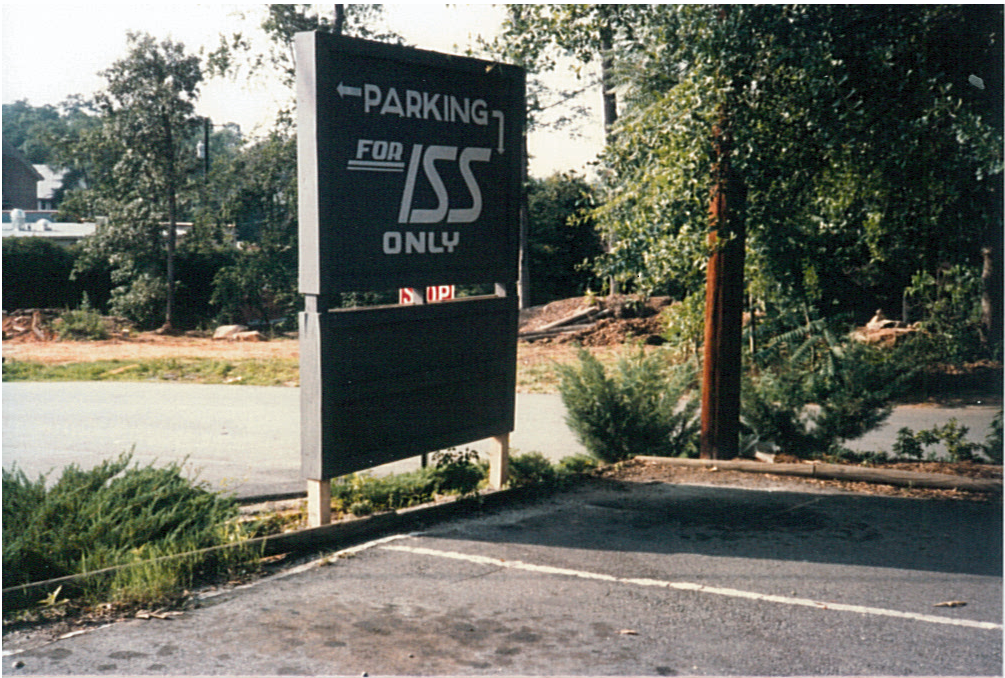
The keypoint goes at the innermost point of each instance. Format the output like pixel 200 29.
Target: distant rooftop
pixel 40 224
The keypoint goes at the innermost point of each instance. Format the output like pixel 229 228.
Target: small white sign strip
pixel 687 586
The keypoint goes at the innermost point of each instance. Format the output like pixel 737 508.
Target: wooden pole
pixel 499 462
pixel 720 392
pixel 319 502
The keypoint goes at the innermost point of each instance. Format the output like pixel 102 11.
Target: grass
pixel 251 372
pixel 535 369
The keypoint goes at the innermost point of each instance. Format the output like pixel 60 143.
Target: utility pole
pixel 720 388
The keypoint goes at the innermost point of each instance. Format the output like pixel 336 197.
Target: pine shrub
pixel 809 407
pixel 639 409
pixel 113 514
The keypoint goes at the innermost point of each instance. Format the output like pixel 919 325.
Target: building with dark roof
pixel 20 180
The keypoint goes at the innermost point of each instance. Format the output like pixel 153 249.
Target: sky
pixel 54 50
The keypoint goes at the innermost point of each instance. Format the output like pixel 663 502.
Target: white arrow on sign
pixel 502 126
pixel 344 91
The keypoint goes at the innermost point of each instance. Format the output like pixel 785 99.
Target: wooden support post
pixel 319 502
pixel 499 462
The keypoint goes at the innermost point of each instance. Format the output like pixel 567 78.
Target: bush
pixel 36 274
pixel 636 411
pixel 823 393
pixel 950 306
pixel 531 469
pixel 82 324
pixel 453 473
pixel 113 515
pixel 684 326
pixel 912 445
pixel 141 297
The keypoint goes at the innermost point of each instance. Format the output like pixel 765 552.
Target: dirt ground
pixel 640 471
pixel 610 333
pixel 146 345
pixel 629 320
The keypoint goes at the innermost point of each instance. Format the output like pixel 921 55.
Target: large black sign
pixel 410 166
pixel 410 171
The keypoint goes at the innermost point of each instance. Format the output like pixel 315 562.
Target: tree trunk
pixel 172 234
pixel 524 272
pixel 609 97
pixel 339 20
pixel 991 299
pixel 172 238
pixel 720 392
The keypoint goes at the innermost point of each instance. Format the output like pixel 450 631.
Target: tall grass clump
pixel 638 409
pixel 112 515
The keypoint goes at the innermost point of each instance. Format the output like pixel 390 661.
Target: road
pixel 240 438
pixel 607 579
pixel 246 438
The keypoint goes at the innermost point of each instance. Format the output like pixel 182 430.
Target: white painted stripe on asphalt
pixel 687 586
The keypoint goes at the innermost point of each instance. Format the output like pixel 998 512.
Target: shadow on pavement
pixel 929 535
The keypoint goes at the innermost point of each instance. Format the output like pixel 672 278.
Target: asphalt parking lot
pixel 611 578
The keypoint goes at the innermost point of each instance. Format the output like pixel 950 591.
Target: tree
pixel 256 189
pixel 561 241
pixel 859 161
pixel 42 132
pixel 27 126
pixel 535 36
pixel 866 153
pixel 282 22
pixel 261 200
pixel 145 145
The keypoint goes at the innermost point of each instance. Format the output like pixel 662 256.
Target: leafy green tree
pixel 283 22
pixel 256 188
pixel 262 203
pixel 144 149
pixel 866 152
pixel 43 132
pixel 561 241
pixel 26 126
pixel 535 36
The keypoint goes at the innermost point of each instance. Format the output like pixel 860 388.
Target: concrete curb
pixel 938 481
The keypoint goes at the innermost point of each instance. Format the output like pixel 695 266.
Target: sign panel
pixel 410 171
pixel 397 381
pixel 410 166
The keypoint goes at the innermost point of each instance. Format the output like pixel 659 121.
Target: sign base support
pixel 499 462
pixel 319 502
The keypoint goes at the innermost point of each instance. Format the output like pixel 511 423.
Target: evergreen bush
pixel 113 514
pixel 83 324
pixel 825 392
pixel 640 409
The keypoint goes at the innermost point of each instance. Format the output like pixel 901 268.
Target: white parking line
pixel 687 586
